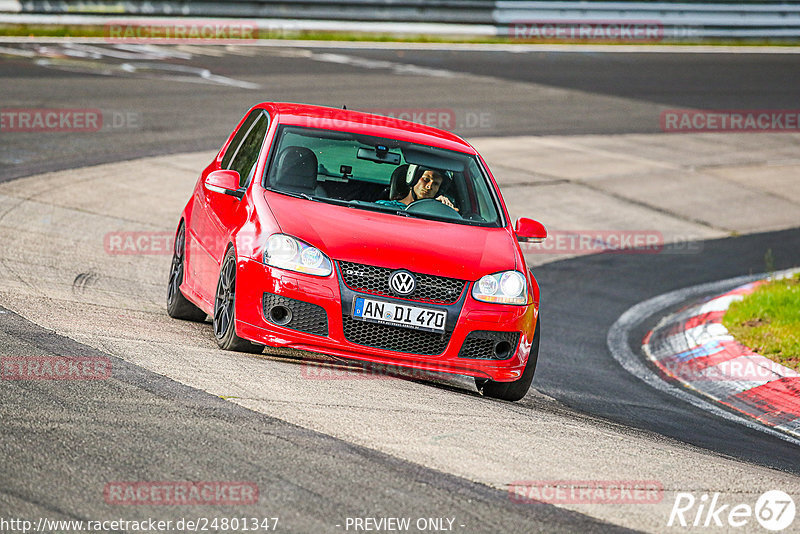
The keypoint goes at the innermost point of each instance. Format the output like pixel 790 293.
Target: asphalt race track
pixel 321 451
pixel 542 92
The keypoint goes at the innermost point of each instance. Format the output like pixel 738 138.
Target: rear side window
pixel 242 154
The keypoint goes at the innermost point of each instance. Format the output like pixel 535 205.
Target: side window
pixel 237 139
pixel 244 149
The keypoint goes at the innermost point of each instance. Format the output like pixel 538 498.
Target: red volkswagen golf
pixel 360 237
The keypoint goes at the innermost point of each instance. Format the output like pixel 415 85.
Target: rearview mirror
pixel 225 182
pixel 431 160
pixel 530 231
pixel 379 154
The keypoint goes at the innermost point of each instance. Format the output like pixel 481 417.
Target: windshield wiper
pixel 295 194
pixel 426 216
pixel 337 201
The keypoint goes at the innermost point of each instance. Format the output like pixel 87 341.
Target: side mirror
pixel 530 231
pixel 225 182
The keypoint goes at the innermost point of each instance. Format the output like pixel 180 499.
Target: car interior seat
pixel 297 171
pixel 399 185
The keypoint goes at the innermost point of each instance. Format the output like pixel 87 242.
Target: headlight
pixel 508 287
pixel 289 253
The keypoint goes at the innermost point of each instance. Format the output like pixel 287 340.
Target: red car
pixel 360 237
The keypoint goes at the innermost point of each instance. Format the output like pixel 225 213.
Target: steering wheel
pixel 431 206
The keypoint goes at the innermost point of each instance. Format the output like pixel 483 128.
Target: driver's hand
pixel 446 201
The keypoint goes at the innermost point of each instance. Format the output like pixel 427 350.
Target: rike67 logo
pixel 774 510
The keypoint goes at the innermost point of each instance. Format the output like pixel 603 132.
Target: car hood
pixel 386 240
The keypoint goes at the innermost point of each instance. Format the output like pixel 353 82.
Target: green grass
pixel 768 321
pixel 25 30
pixel 60 30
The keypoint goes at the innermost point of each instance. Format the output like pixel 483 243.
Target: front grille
pixel 306 317
pixel 394 338
pixel 480 345
pixel 375 280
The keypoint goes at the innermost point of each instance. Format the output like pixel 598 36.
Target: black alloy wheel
pixel 178 306
pixel 224 318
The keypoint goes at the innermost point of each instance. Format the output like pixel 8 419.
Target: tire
pixel 513 391
pixel 178 306
pixel 224 318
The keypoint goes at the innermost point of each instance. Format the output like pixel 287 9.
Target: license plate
pixel 392 313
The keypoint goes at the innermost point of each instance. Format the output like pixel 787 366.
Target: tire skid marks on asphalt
pixel 184 73
pixel 142 60
pixel 396 68
pixel 372 64
pixel 21 52
pixel 63 226
pixel 123 51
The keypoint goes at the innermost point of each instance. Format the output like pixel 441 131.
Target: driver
pixel 426 184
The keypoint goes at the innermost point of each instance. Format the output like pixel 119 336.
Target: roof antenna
pixel 344 106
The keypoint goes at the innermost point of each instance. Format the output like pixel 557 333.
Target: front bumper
pixel 482 340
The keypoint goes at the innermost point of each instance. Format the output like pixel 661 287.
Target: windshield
pixel 381 174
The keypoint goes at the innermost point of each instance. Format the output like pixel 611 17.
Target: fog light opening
pixel 502 350
pixel 280 315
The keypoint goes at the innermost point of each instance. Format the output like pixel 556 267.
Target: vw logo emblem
pixel 402 283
